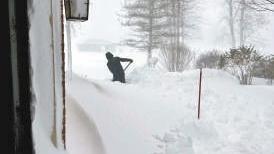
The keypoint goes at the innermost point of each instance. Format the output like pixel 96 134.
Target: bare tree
pixel 141 16
pixel 242 21
pixel 180 19
pixel 176 24
pixel 231 21
pixel 261 5
pixel 183 57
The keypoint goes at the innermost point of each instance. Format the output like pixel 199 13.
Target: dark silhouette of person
pixel 115 67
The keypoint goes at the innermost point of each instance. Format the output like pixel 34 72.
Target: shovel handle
pixel 127 66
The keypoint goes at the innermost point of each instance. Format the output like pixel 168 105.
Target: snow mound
pixel 152 75
pixel 235 119
pixel 144 74
pixel 81 131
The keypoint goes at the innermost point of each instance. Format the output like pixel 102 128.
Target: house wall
pixel 46 50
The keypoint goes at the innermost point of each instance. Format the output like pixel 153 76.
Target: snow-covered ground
pixel 260 81
pixel 127 118
pixel 82 131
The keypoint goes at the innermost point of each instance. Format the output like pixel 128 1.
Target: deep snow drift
pixel 234 118
pixel 82 131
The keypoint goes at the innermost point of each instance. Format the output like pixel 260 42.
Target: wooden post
pixel 200 86
pixel 64 130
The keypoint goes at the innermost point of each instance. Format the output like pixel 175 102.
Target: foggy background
pixel 103 24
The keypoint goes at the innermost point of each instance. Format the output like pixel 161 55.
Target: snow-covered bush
pixel 270 69
pixel 176 60
pixel 208 60
pixel 241 62
pixel 264 68
pixel 222 62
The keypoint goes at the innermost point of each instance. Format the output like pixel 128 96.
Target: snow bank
pixel 82 134
pixel 234 118
pixel 149 75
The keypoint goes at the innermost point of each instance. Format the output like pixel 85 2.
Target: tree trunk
pixel 231 23
pixel 150 33
pixel 173 37
pixel 178 34
pixel 242 22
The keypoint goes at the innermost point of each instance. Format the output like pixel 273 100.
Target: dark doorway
pixel 17 77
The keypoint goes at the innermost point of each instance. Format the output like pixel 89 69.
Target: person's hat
pixel 109 55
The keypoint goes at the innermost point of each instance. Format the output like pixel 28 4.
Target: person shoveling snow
pixel 115 67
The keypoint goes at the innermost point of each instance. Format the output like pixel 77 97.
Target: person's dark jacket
pixel 115 67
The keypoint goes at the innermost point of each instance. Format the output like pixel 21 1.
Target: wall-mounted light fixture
pixel 77 10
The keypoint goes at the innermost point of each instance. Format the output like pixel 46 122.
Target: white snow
pixel 260 81
pixel 83 129
pixel 234 118
pixel 46 75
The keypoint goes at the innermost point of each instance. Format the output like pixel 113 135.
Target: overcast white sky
pixel 103 24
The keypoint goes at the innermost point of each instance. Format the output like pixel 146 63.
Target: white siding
pixel 46 71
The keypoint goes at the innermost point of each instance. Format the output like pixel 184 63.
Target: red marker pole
pixel 200 86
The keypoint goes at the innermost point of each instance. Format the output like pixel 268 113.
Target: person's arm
pixel 126 60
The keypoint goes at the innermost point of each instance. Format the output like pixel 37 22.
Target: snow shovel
pixel 127 66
